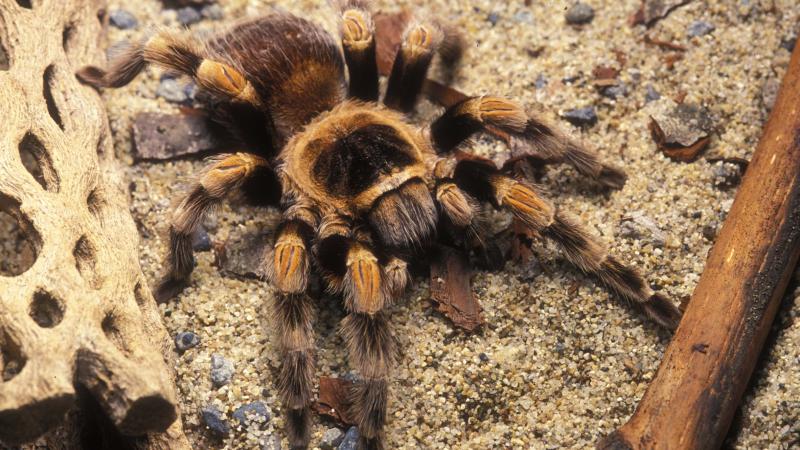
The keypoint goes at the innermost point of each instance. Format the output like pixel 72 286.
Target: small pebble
pixel 541 81
pixel 215 422
pixel 726 175
pixel 651 94
pixel 201 241
pixel 579 14
pixel 186 340
pixel 789 43
pixel 710 232
pixel 212 12
pixel 615 91
pixel 524 17
pixel 493 18
pixel 122 19
pixel 641 227
pixel 699 28
pixel 581 116
pixel 350 441
pixel 171 90
pixel 331 439
pixel 255 413
pixel 188 16
pixel 221 370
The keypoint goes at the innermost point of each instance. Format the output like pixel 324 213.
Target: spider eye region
pixel 359 160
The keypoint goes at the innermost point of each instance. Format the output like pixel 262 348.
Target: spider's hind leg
pixel 476 114
pixel 482 179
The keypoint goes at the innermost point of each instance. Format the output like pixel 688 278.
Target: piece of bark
pixel 451 289
pixel 242 254
pixel 159 137
pixel 80 319
pixel 681 131
pixel 699 384
pixel 333 400
pixel 651 11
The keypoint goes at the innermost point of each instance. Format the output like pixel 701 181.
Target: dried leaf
pixel 671 59
pixel 663 44
pixel 522 241
pixel 605 73
pixel 652 11
pixel 451 290
pixel 682 131
pixel 333 400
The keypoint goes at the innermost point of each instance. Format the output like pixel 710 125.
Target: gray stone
pixel 615 91
pixel 201 241
pixel 255 413
pixel 581 116
pixel 188 16
pixel 524 16
pixel 122 19
pixel 159 136
pixel 579 14
pixel 638 226
pixel 700 28
pixel 186 340
pixel 789 43
pixel 651 94
pixel 350 441
pixel 726 175
pixel 493 18
pixel 541 81
pixel 212 12
pixel 215 422
pixel 171 90
pixel 331 439
pixel 221 370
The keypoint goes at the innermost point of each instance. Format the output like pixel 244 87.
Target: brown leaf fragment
pixel 663 44
pixel 535 52
pixel 671 59
pixel 162 137
pixel 521 242
pixel 242 254
pixel 389 28
pixel 451 289
pixel 741 162
pixel 682 131
pixel 651 11
pixel 333 400
pixel 605 73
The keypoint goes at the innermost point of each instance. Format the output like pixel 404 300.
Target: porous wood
pixel 81 318
pixel 693 398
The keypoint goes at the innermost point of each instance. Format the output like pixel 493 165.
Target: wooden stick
pixel 692 400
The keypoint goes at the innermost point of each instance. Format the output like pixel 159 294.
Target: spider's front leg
pixel 223 176
pixel 475 114
pixel 411 65
pixel 481 179
pixel 358 42
pixel 292 315
pixel 368 285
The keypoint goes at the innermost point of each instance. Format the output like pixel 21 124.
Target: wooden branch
pixel 693 398
pixel 80 314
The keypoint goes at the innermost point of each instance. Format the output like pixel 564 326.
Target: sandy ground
pixel 559 364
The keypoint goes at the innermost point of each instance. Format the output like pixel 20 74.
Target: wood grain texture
pixel 693 398
pixel 80 321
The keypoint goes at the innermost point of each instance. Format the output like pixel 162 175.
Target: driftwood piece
pixel 79 317
pixel 693 398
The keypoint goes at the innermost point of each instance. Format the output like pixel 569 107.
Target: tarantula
pixel 361 190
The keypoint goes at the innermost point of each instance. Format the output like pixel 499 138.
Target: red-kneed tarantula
pixel 362 191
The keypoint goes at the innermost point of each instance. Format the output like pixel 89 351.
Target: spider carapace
pixel 361 189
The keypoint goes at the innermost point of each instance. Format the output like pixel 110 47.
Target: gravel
pixel 255 413
pixel 699 28
pixel 581 116
pixel 579 13
pixel 186 340
pixel 331 439
pixel 221 370
pixel 350 441
pixel 122 19
pixel 215 421
pixel 188 16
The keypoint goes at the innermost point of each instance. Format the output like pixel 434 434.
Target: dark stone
pixel 615 91
pixel 201 242
pixel 726 175
pixel 215 422
pixel 651 94
pixel 255 413
pixel 570 79
pixel 579 14
pixel 122 19
pixel 161 137
pixel 483 357
pixel 350 441
pixel 221 370
pixel 331 439
pixel 710 232
pixel 493 18
pixel 581 116
pixel 700 28
pixel 186 340
pixel 789 43
pixel 189 16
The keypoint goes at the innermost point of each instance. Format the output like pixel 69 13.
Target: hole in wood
pixel 140 293
pixel 19 242
pixel 86 261
pixel 5 62
pixel 46 310
pixel 95 202
pixel 101 16
pixel 37 160
pixel 25 4
pixel 52 108
pixel 111 330
pixel 12 360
